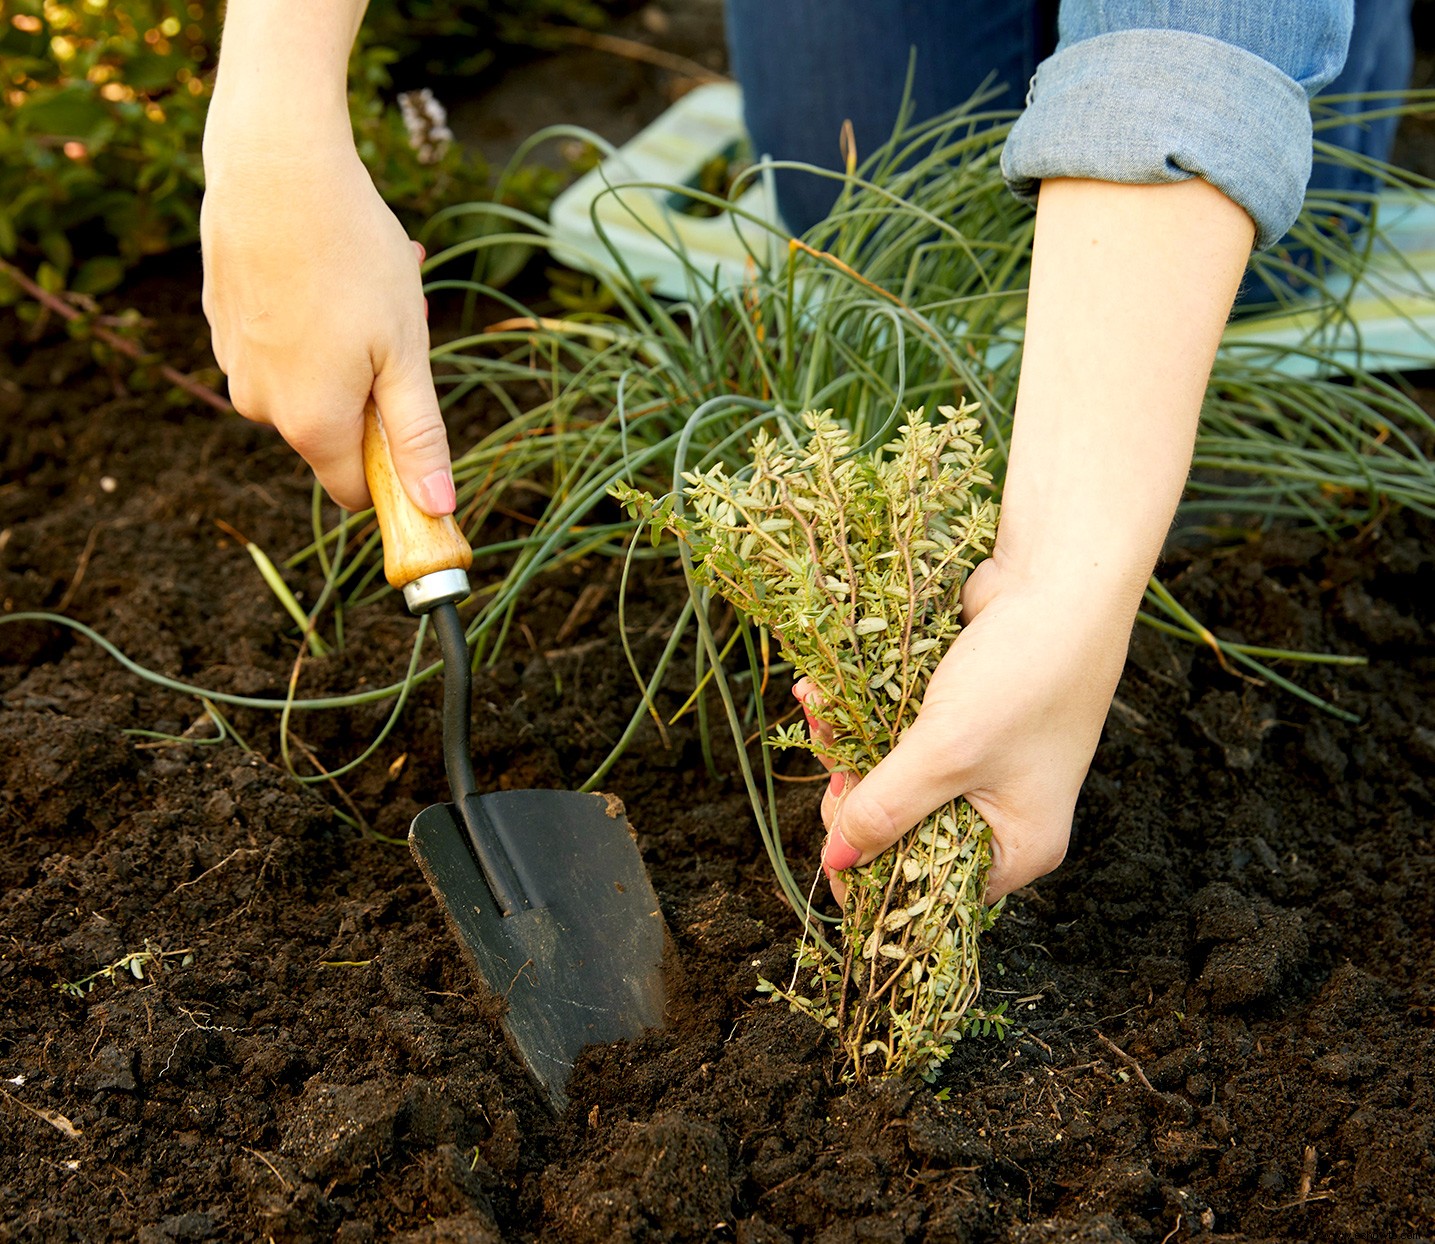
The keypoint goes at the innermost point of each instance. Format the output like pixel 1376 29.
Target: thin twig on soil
pixel 273 1170
pixel 632 49
pixel 184 885
pixel 52 302
pixel 1129 1061
pixel 582 611
pixel 53 1117
pixel 575 650
pixel 1307 1175
pixel 80 567
pixel 348 799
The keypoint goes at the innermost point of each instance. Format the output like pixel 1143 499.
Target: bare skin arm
pixel 311 284
pixel 1131 287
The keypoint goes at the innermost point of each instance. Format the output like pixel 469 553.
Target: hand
pixel 1010 720
pixel 315 301
pixel 1130 288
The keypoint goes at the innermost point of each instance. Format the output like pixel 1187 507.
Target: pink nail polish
pixel 839 854
pixel 436 492
pixel 836 784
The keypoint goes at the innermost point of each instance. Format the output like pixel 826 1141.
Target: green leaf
pixel 99 276
pixel 50 278
pixel 57 249
pixel 154 73
pixel 74 112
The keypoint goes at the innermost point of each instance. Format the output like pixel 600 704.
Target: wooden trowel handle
pixel 415 544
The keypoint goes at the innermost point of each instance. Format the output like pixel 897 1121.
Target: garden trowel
pixel 545 889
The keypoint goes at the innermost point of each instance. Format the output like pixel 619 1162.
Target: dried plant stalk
pixel 856 563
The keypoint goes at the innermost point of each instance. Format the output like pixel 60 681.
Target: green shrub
pixel 104 113
pixel 442 39
pixel 99 140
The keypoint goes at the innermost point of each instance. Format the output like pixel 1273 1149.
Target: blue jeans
pixel 806 66
pixel 1381 58
pixel 1134 92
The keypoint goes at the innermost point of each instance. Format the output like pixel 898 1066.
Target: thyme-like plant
pixel 856 561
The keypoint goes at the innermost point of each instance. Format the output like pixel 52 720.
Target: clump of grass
pixel 855 561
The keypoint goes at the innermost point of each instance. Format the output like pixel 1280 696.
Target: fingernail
pixel 839 854
pixel 836 783
pixel 436 492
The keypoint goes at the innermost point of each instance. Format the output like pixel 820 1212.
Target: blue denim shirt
pixel 1166 90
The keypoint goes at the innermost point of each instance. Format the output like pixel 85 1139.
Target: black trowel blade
pixel 585 963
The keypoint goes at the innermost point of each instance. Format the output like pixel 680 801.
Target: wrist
pixel 253 129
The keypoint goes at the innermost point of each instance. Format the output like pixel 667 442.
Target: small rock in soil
pixel 112 1070
pixel 341 1129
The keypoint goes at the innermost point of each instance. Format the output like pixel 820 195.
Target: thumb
pixel 866 817
pixel 407 401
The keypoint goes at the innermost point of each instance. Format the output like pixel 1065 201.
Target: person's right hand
pixel 313 294
pixel 1010 721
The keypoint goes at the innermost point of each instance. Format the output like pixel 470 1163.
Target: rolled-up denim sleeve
pixel 1166 90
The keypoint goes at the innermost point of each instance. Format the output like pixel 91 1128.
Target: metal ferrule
pixel 442 587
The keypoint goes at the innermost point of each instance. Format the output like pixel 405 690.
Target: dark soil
pixel 1225 997
pixel 611 90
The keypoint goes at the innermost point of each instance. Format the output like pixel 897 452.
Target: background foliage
pixel 436 39
pixel 104 106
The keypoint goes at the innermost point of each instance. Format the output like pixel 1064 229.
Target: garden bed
pixel 1225 998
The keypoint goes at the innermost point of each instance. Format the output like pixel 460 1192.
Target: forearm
pixel 1131 287
pixel 281 87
